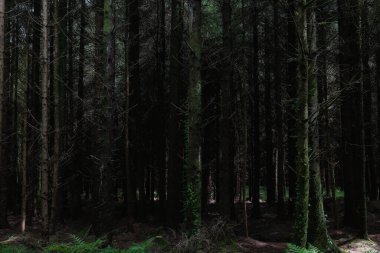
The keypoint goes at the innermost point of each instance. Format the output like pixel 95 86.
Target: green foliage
pixel 80 246
pixel 296 249
pixel 14 249
pixel 148 245
pixel 77 246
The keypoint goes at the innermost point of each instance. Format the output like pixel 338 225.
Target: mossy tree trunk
pixel 317 230
pixel 302 156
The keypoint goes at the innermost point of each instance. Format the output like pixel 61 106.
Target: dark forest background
pixel 174 113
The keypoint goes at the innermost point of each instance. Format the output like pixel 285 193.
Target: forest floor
pixel 267 235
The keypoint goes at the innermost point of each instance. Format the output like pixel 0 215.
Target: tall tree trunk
pixel 56 94
pixel 371 173
pixel 192 201
pixel 136 131
pixel 302 157
pixel 129 192
pixel 255 109
pixel 317 230
pixel 162 109
pixel 269 165
pixel 292 47
pixel 105 55
pixel 281 211
pixel 34 107
pixel 175 128
pixel 352 145
pixel 44 121
pixel 3 169
pixel 76 209
pixel 226 198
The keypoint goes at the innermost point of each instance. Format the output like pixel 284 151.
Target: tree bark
pixel 255 109
pixel 56 94
pixel 44 121
pixel 281 187
pixel 226 198
pixel 292 47
pixel 302 116
pixel 269 164
pixel 371 173
pixel 192 202
pixel 3 169
pixel 317 230
pixel 175 127
pixel 352 143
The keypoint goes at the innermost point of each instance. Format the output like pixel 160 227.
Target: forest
pixel 194 126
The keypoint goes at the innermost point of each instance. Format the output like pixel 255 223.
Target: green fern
pixel 148 245
pixel 296 249
pixel 77 246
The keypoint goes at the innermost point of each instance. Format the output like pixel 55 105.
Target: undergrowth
pixel 213 238
pixel 296 249
pixel 78 245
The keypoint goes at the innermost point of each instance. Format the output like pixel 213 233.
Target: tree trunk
pixel 281 187
pixel 44 121
pixel 129 192
pixel 192 201
pixel 371 173
pixel 226 198
pixel 352 145
pixel 76 209
pixel 317 230
pixel 56 94
pixel 302 157
pixel 255 109
pixel 269 165
pixel 3 170
pixel 160 160
pixel 136 130
pixel 175 127
pixel 292 47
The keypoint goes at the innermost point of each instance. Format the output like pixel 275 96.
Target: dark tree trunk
pixel 226 196
pixel 136 129
pixel 372 184
pixel 281 210
pixel 292 46
pixel 352 143
pixel 3 168
pixel 160 143
pixel 76 190
pixel 269 165
pixel 175 126
pixel 254 103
